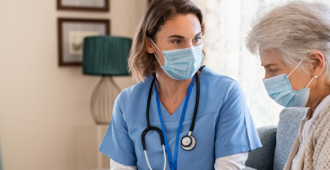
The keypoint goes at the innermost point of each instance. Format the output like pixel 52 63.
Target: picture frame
pixel 84 5
pixel 71 33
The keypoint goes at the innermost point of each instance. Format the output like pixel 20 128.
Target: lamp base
pixel 103 98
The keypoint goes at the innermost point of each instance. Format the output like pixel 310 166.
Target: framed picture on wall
pixel 83 5
pixel 71 34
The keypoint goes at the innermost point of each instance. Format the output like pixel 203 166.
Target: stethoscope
pixel 188 142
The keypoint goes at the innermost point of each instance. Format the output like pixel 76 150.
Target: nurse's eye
pixel 197 38
pixel 177 41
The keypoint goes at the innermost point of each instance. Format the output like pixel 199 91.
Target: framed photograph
pixel 71 34
pixel 83 5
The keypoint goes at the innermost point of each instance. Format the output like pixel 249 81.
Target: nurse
pixel 180 116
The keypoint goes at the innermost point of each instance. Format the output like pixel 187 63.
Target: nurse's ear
pixel 149 46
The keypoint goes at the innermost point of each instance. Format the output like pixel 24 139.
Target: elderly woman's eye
pixel 272 70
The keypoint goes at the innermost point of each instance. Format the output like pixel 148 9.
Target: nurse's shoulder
pixel 215 91
pixel 132 101
pixel 219 84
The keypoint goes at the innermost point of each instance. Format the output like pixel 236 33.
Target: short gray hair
pixel 294 30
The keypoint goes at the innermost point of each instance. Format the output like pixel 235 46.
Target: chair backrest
pixel 263 158
pixel 287 131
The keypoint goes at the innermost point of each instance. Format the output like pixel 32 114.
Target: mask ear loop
pixel 158 60
pixel 155 53
pixel 297 66
pixel 311 81
pixel 156 46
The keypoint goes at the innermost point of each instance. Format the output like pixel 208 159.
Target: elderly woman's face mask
pixel 279 88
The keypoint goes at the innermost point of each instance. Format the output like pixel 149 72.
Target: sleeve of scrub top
pixel 235 132
pixel 117 166
pixel 232 162
pixel 116 143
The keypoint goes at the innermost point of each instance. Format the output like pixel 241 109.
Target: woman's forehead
pixel 270 57
pixel 184 25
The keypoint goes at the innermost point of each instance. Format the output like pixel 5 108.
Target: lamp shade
pixel 106 55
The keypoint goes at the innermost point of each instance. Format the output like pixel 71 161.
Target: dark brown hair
pixel 140 62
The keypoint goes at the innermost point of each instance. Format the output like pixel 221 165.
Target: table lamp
pixel 105 56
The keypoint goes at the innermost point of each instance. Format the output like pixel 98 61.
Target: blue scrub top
pixel 223 127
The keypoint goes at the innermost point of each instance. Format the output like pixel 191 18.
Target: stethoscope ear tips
pixel 188 143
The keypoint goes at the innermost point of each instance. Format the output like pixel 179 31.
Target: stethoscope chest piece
pixel 188 142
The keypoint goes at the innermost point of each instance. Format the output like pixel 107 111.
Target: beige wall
pixel 44 109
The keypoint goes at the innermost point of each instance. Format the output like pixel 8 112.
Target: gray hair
pixel 294 30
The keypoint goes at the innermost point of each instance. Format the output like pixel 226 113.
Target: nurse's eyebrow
pixel 198 34
pixel 176 36
pixel 182 37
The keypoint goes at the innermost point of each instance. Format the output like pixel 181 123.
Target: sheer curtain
pixel 227 24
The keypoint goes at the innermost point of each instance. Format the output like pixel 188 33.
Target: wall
pixel 43 107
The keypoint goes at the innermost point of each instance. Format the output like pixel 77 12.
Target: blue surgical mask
pixel 279 89
pixel 182 64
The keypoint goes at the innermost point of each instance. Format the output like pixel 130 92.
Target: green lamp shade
pixel 106 55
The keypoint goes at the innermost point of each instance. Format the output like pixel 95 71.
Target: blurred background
pixel 45 115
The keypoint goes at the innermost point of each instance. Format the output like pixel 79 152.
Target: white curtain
pixel 227 25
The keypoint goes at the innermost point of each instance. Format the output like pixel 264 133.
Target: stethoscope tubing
pixel 159 131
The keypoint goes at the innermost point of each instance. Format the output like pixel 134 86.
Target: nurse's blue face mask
pixel 181 64
pixel 279 89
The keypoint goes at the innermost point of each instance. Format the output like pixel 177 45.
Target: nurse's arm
pixel 232 162
pixel 117 166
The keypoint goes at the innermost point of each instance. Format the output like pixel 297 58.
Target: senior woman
pixel 293 41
